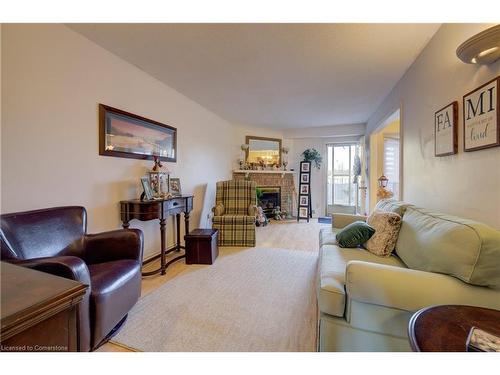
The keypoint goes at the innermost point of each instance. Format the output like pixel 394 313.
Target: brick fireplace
pixel 281 182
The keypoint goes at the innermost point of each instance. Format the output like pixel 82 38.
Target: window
pixel 391 164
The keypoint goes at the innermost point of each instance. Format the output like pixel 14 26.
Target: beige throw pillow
pixel 387 226
pixel 218 210
pixel 252 210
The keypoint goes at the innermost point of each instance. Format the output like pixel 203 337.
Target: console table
pixel 159 209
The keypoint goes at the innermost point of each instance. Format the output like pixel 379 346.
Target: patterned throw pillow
pixel 387 226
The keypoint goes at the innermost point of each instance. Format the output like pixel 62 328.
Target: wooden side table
pixel 38 310
pixel 159 209
pixel 446 328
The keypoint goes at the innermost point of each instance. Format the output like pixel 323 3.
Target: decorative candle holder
pixel 159 180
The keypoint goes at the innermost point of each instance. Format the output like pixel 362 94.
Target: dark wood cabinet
pixel 38 310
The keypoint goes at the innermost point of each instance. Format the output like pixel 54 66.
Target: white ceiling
pixel 274 75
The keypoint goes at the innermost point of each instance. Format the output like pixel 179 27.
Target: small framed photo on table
pixel 148 192
pixel 175 187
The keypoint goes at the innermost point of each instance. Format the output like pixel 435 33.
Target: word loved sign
pixel 481 117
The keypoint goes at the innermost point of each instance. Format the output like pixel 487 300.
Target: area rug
pixel 257 299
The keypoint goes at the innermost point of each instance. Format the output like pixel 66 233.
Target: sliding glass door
pixel 343 169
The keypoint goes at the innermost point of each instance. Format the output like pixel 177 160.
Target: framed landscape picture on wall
pixel 445 130
pixel 123 134
pixel 481 117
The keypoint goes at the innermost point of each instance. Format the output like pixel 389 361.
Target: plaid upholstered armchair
pixel 234 212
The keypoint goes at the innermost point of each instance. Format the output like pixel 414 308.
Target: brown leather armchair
pixel 55 240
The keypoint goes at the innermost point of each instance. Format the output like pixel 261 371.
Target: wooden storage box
pixel 201 246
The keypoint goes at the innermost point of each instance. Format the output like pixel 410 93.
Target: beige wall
pixel 466 184
pixel 53 79
pixel 346 130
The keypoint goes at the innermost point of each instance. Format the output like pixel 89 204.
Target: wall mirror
pixel 262 150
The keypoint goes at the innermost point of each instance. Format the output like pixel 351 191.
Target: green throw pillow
pixel 354 234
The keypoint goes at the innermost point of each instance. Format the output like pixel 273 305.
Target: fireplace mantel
pixel 247 172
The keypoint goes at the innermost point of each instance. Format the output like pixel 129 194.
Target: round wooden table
pixel 446 328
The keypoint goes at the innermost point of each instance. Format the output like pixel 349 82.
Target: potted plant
pixel 259 194
pixel 313 155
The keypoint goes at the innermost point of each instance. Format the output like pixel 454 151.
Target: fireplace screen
pixel 269 199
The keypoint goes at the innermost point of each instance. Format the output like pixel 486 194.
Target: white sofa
pixel 366 301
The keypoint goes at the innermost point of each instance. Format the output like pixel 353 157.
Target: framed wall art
pixel 304 200
pixel 263 150
pixel 304 205
pixel 123 134
pixel 445 130
pixel 304 213
pixel 481 117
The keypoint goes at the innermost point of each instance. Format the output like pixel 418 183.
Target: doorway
pixel 343 171
pixel 386 158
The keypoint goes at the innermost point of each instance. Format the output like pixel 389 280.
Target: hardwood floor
pixel 301 236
